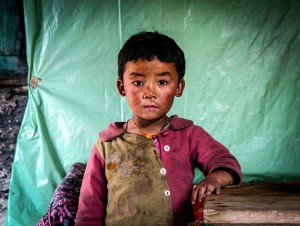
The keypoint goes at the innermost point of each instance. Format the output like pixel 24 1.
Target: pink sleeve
pixel 93 193
pixel 213 155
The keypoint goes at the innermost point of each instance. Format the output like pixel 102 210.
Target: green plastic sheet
pixel 242 84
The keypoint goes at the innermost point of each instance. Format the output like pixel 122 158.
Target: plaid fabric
pixel 64 203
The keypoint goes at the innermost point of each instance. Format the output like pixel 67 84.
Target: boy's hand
pixel 212 183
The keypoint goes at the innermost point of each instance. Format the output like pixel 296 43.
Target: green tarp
pixel 242 84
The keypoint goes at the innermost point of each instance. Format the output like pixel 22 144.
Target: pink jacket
pixel 182 147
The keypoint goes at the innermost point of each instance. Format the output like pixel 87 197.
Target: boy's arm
pixel 219 166
pixel 93 193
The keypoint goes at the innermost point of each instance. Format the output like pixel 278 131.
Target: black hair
pixel 149 46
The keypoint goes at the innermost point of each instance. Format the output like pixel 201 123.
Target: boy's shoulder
pixel 178 123
pixel 112 131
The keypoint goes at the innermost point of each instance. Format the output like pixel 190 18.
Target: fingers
pixel 202 190
pixel 218 190
pixel 210 189
pixel 199 193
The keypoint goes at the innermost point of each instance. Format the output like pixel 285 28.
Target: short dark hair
pixel 148 46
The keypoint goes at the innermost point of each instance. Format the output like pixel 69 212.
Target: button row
pixel 163 171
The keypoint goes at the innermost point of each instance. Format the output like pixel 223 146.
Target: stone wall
pixel 13 100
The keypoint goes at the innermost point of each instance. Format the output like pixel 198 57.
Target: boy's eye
pixel 137 83
pixel 163 82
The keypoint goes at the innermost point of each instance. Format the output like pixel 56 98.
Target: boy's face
pixel 150 88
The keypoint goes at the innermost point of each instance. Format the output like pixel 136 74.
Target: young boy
pixel 141 172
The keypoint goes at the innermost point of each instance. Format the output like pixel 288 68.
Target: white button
pixel 167 148
pixel 167 193
pixel 163 171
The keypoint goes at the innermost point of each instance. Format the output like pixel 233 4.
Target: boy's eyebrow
pixel 165 73
pixel 135 74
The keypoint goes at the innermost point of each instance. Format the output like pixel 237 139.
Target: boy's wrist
pixel 224 176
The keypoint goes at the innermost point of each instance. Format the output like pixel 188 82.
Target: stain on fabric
pixel 126 203
pixel 132 205
pixel 129 169
pixel 135 170
pixel 143 186
pixel 111 165
pixel 121 205
pixel 112 162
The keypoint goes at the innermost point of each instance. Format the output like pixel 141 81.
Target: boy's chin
pixel 153 117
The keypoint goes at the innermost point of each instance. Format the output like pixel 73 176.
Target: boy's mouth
pixel 150 107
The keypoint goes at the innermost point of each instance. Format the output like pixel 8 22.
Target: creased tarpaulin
pixel 242 84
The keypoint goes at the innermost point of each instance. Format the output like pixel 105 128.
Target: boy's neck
pixel 149 129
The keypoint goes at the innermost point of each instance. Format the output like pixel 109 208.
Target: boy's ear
pixel 180 88
pixel 120 87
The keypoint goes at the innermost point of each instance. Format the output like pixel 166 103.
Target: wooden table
pixel 255 204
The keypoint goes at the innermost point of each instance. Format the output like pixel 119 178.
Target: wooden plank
pixel 254 204
pixel 17 81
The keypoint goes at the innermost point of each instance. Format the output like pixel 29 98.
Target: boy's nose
pixel 149 93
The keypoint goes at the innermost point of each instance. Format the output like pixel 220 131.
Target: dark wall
pixel 13 89
pixel 12 40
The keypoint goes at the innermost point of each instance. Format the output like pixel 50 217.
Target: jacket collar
pixel 115 129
